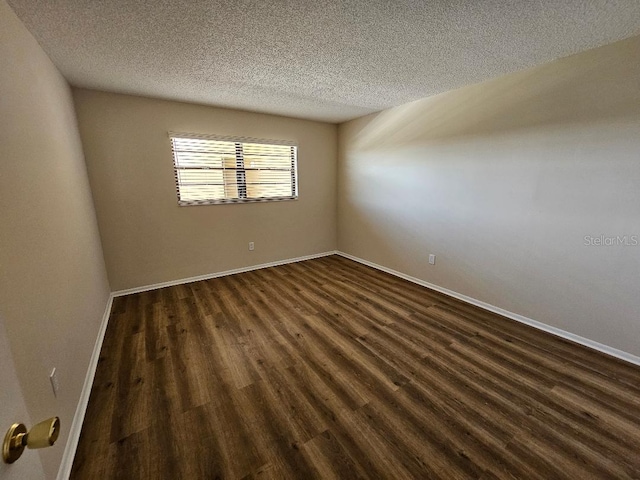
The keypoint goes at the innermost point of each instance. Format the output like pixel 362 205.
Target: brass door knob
pixel 43 434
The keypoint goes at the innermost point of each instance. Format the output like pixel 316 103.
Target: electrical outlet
pixel 251 246
pixel 432 259
pixel 55 385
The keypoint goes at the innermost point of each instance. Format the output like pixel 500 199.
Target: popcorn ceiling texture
pixel 324 60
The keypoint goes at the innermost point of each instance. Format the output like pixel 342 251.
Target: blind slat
pixel 210 169
pixel 195 137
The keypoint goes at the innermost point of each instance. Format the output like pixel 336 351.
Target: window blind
pixel 212 169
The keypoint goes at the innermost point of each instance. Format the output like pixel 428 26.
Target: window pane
pixel 218 170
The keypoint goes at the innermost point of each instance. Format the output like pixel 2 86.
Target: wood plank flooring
pixel 330 369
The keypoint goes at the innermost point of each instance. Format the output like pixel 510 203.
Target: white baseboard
pixel 78 419
pixel 614 352
pixel 76 426
pixel 207 276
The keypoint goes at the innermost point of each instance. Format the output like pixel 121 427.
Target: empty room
pixel 320 240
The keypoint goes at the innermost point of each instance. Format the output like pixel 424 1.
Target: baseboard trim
pixel 600 347
pixel 146 288
pixel 78 419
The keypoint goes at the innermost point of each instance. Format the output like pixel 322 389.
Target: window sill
pixel 195 203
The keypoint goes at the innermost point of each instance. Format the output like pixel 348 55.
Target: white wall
pixel 502 181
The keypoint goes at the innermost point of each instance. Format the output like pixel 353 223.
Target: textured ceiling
pixel 328 60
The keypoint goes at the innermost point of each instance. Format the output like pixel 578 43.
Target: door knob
pixel 43 434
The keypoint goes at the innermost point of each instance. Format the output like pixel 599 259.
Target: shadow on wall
pixel 504 181
pixel 600 84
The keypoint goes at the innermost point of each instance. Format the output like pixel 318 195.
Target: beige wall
pixel 502 181
pixel 53 284
pixel 14 410
pixel 148 238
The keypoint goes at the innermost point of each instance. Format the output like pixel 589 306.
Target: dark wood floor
pixel 330 369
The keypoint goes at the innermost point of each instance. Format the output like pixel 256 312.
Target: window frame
pixel 241 172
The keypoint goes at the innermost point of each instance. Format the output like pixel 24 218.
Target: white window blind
pixel 213 169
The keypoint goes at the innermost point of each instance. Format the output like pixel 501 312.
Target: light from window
pixel 211 170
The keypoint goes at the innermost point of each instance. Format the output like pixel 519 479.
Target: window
pixel 211 169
